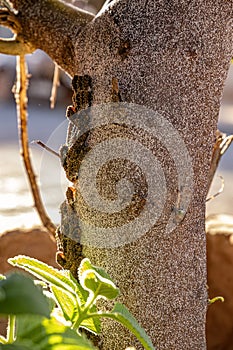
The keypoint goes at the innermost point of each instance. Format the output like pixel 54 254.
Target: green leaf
pixel 81 293
pixel 2 277
pixel 2 295
pixel 69 336
pixel 102 287
pixel 47 273
pixel 87 265
pixel 14 347
pixel 27 325
pixel 21 296
pixel 96 281
pixel 92 324
pixel 121 314
pixel 49 334
pixel 67 303
pixel 50 299
pixel 3 340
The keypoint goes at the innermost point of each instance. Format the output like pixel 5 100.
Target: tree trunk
pixel 171 57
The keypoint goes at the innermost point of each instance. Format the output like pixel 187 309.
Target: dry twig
pixel 222 143
pixel 40 143
pixel 21 101
pixel 56 84
pixel 219 191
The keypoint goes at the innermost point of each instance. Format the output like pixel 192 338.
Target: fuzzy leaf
pixel 14 347
pixel 87 265
pixel 69 336
pixel 47 273
pixel 21 296
pixel 96 281
pixel 3 340
pixel 66 302
pixel 50 334
pixel 81 293
pixel 121 314
pixel 92 324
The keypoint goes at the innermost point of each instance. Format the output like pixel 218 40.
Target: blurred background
pixel 49 125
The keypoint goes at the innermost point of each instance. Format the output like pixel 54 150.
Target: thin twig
pixel 56 84
pixel 222 143
pixel 7 4
pixel 219 191
pixel 21 101
pixel 43 145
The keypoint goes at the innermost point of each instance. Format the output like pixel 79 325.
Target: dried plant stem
pixel 222 144
pixel 21 101
pixel 40 143
pixel 56 84
pixel 219 191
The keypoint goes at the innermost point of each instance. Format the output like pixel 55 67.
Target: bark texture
pixel 52 26
pixel 172 57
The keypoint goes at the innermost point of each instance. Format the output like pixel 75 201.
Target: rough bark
pixel 172 57
pixel 52 26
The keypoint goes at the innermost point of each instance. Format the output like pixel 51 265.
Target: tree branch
pixel 50 25
pixel 21 100
pixel 56 84
pixel 15 47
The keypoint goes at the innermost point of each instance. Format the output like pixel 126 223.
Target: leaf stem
pixel 11 329
pixel 84 313
pixel 3 340
pixel 114 316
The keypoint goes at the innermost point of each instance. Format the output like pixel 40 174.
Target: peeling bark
pixel 172 57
